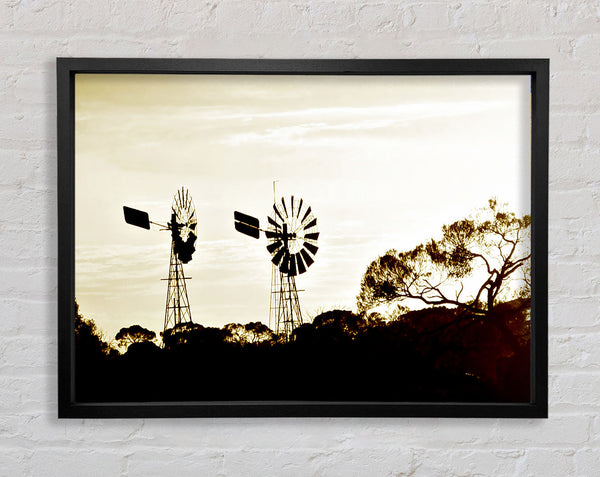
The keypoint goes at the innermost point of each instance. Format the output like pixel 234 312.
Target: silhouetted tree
pixel 142 349
pixel 194 335
pixel 304 334
pixel 88 339
pixel 487 250
pixel 134 334
pixel 250 333
pixel 237 333
pixel 181 334
pixel 211 336
pixel 258 332
pixel 340 322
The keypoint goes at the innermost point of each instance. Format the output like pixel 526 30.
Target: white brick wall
pixel 33 442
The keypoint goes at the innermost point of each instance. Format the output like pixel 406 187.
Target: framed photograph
pixel 302 237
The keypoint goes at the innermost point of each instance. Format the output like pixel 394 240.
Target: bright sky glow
pixel 383 161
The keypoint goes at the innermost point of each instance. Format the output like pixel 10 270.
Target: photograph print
pixel 302 238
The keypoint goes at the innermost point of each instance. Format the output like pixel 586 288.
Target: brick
pixel 22 125
pixel 44 15
pixel 573 312
pixel 575 351
pixel 568 128
pixel 565 241
pixel 104 432
pixel 31 283
pixel 162 461
pixel 25 51
pixel 15 169
pixel 123 47
pixel 276 14
pixel 202 15
pixel 595 430
pixel 558 50
pixel 299 462
pixel 7 15
pixel 585 50
pixel 27 316
pixel 7 82
pixel 591 242
pixel 559 431
pixel 292 463
pixel 574 280
pixel 574 204
pixel 27 355
pixel 68 461
pixel 94 15
pixel 333 16
pixel 28 209
pixel 587 93
pixel 338 434
pixel 468 462
pixel 576 18
pixel 379 17
pixel 237 433
pixel 365 461
pixel 515 20
pixel 22 245
pixel 593 130
pixel 474 16
pixel 576 388
pixel 270 17
pixel 15 462
pixel 432 16
pixel 36 87
pixel 574 166
pixel 587 461
pixel 21 429
pixel 136 16
pixel 548 462
pixel 22 395
pixel 410 46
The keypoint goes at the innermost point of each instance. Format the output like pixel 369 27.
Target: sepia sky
pixel 383 161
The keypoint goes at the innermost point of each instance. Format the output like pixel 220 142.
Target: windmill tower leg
pixel 177 309
pixel 274 302
pixel 289 316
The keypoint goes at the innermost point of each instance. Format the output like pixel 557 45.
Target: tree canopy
pixel 88 338
pixel 470 267
pixel 193 335
pixel 250 333
pixel 134 334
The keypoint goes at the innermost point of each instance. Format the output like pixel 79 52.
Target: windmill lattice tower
pixel 182 226
pixel 285 314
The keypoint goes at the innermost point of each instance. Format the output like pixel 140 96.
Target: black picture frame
pixel 67 68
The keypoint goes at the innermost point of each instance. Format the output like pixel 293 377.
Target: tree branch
pixel 487 264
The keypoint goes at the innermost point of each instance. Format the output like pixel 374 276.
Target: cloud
pixel 351 120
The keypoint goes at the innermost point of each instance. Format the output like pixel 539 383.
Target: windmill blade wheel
pixel 292 235
pixel 183 225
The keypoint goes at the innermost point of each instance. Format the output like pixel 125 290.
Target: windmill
pixel 292 243
pixel 183 239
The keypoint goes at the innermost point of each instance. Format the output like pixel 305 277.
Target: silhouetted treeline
pixel 434 354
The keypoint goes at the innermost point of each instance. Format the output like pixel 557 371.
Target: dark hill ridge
pixel 434 354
